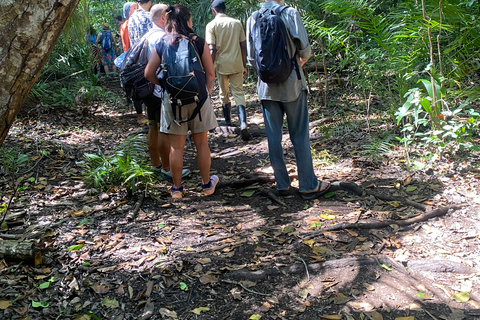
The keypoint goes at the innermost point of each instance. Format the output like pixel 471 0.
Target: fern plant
pixel 378 147
pixel 126 167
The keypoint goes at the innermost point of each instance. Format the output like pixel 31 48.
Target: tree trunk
pixel 29 30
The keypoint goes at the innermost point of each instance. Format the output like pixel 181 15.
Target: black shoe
pixel 246 135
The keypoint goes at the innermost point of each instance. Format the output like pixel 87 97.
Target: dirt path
pixel 240 254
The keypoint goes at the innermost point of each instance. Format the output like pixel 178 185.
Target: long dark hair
pixel 177 22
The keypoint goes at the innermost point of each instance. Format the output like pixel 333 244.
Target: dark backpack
pixel 269 34
pixel 132 71
pixel 106 40
pixel 182 75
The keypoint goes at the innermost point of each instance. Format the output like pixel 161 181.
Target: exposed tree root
pixel 439 266
pixel 245 181
pixel 387 197
pixel 315 268
pixel 269 194
pixel 382 224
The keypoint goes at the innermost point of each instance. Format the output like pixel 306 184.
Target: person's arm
pixel 243 49
pixel 213 51
pixel 151 68
pixel 113 41
pixel 98 38
pixel 250 45
pixel 299 34
pixel 208 68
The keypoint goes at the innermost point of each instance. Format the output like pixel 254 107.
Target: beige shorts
pixel 167 125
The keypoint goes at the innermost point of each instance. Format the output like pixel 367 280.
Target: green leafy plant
pixel 40 304
pixel 126 167
pixel 183 286
pixel 322 157
pixel 378 147
pixel 450 129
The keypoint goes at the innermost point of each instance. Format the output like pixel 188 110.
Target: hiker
pixel 138 24
pixel 128 9
pixel 107 44
pixel 287 97
pixel 178 28
pixel 157 142
pixel 118 39
pixel 94 50
pixel 226 39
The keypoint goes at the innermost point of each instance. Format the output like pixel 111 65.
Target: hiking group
pixel 172 71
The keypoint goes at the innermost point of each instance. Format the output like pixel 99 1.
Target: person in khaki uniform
pixel 226 39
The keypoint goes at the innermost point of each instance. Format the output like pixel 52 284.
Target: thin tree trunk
pixel 29 30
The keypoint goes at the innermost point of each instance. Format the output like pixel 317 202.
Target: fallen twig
pixel 306 267
pixel 137 206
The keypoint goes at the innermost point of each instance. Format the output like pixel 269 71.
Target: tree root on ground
pixel 315 268
pixel 385 197
pixel 245 181
pixel 381 261
pixel 382 224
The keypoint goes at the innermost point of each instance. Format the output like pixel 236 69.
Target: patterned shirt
pixel 298 44
pixel 138 24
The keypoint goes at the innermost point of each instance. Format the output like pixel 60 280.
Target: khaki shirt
pixel 226 33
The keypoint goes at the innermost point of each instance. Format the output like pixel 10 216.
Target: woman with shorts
pixel 179 24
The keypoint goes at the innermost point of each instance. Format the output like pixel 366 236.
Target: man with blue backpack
pixel 277 45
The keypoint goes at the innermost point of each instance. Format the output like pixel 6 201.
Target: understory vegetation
pixel 410 68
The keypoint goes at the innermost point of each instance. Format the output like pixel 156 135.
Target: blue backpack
pixel 269 34
pixel 182 75
pixel 106 40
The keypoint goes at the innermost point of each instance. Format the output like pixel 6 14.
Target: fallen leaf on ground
pixel 204 260
pixel 340 298
pixel 110 303
pixel 4 304
pixel 309 243
pixel 200 309
pixel 303 293
pixel 100 289
pixel 206 279
pixel 168 313
pixel 333 317
pixel 265 307
pixel 462 296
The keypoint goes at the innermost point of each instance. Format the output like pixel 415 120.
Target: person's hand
pixel 245 71
pixel 302 61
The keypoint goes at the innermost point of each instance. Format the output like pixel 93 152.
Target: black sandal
pixel 318 193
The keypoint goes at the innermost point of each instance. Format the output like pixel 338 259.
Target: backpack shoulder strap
pixel 278 10
pixel 192 42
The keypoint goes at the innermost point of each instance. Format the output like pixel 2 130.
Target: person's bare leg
pixel 177 145
pixel 105 67
pixel 153 144
pixel 204 159
pixel 164 149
